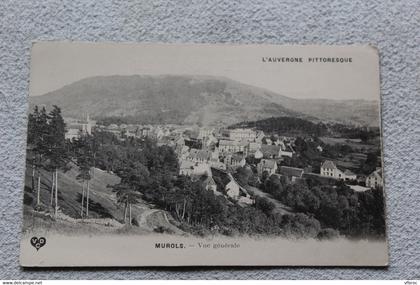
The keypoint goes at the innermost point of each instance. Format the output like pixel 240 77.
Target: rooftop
pixel 200 154
pixel 233 143
pixel 270 149
pixel 328 164
pixel 268 163
pixel 291 171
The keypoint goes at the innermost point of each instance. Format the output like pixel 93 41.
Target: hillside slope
pixel 163 99
pixel 204 100
pixel 103 210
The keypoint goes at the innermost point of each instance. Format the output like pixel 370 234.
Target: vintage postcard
pixel 203 155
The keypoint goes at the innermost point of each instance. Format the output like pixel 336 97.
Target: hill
pixel 288 125
pixel 204 100
pixel 105 214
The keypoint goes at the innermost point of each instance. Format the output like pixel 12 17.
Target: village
pixel 213 155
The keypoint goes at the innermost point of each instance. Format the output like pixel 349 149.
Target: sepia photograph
pixel 203 155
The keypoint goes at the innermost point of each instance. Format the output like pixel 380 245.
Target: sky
pixel 56 64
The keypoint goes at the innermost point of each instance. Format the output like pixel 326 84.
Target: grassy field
pixel 354 160
pixel 356 144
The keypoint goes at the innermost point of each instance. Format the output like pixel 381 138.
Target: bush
pixel 134 222
pixel 264 205
pixel 40 208
pixel 301 226
pixel 327 233
pixel 162 230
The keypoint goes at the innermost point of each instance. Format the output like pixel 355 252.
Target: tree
pixel 264 205
pixel 85 160
pixel 33 136
pixel 127 197
pixel 301 225
pixel 370 164
pixel 273 186
pixel 244 175
pixel 37 138
pixel 55 150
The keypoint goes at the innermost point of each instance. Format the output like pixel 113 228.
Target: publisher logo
pixel 38 242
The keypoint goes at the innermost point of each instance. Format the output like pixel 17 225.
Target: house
pixel 199 155
pixel 232 188
pixel 229 146
pixel 215 154
pixel 254 146
pixel 190 168
pixel 374 179
pixel 130 131
pixel 182 151
pixel 271 151
pixel 245 200
pixel 192 133
pixel 166 140
pixel 160 132
pixel 144 132
pixel 72 132
pixel 193 143
pixel 358 188
pixel 205 132
pixel 292 173
pixel 209 183
pixel 234 161
pixel 258 154
pixel 259 137
pixel 307 169
pixel 77 128
pixel 180 142
pixel 349 175
pixel 329 169
pixel 242 134
pixel 286 139
pixel 209 141
pixel 215 161
pixel 236 191
pixel 227 184
pixel 217 164
pixel 186 167
pixel 267 165
pixel 114 129
pixel 280 143
pixel 287 151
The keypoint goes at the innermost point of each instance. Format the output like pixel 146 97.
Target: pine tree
pixel 85 161
pixel 127 197
pixel 37 135
pixel 56 151
pixel 32 141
